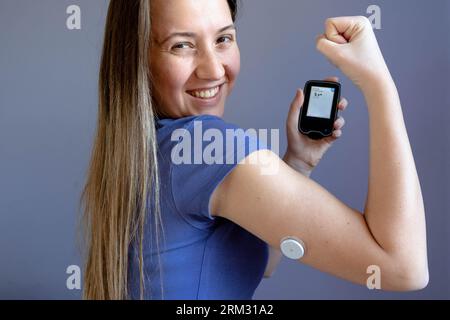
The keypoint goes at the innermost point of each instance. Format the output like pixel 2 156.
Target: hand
pixel 350 44
pixel 304 153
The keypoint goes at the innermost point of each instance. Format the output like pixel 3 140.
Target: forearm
pixel 394 209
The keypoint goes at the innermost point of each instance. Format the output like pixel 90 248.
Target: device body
pixel 319 110
pixel 292 247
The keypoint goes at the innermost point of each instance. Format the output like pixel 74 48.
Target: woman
pixel 157 229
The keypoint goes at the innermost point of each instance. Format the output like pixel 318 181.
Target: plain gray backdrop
pixel 48 113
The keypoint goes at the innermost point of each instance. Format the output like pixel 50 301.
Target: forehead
pixel 189 15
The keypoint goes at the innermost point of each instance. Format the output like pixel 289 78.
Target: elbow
pixel 409 279
pixel 268 274
pixel 418 282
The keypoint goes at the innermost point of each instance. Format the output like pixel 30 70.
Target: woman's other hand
pixel 304 153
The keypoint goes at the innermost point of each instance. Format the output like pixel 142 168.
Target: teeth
pixel 206 94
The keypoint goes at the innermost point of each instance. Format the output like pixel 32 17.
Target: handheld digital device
pixel 319 110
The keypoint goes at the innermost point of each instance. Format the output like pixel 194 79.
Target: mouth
pixel 207 93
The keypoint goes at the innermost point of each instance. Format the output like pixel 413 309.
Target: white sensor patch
pixel 292 247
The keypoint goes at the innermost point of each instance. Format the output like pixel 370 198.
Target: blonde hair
pixel 123 168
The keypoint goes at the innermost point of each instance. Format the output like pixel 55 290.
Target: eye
pixel 225 39
pixel 182 45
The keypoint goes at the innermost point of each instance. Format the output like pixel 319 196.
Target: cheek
pixel 233 65
pixel 169 76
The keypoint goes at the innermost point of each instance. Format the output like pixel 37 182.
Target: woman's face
pixel 194 56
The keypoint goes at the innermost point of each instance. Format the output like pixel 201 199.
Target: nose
pixel 210 66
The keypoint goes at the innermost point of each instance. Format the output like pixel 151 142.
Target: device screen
pixel 320 102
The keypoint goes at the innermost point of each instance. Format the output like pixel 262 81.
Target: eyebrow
pixel 192 34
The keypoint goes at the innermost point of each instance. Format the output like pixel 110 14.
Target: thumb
pixel 327 48
pixel 294 110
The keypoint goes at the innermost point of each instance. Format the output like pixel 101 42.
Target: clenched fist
pixel 350 44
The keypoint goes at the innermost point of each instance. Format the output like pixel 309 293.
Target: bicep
pixel 285 203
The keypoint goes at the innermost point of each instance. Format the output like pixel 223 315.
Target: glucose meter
pixel 319 110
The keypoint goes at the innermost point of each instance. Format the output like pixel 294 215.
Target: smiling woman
pixel 158 229
pixel 181 59
pixel 194 56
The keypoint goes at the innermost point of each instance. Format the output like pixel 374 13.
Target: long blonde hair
pixel 123 169
pixel 123 164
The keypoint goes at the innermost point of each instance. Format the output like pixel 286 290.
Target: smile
pixel 205 93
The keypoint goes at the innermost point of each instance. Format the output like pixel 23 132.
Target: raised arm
pixel 341 240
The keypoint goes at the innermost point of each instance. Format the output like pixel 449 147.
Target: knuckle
pixel 364 20
pixel 318 44
pixel 361 18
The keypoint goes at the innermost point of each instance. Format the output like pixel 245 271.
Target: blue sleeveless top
pixel 202 257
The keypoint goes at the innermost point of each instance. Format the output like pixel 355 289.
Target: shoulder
pixel 204 154
pixel 258 170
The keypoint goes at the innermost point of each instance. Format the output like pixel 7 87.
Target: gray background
pixel 48 110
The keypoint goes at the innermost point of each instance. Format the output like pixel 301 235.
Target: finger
pixel 328 49
pixel 343 104
pixel 333 29
pixel 332 79
pixel 337 134
pixel 339 123
pixel 294 110
pixel 341 30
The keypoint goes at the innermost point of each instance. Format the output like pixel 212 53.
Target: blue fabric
pixel 203 257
